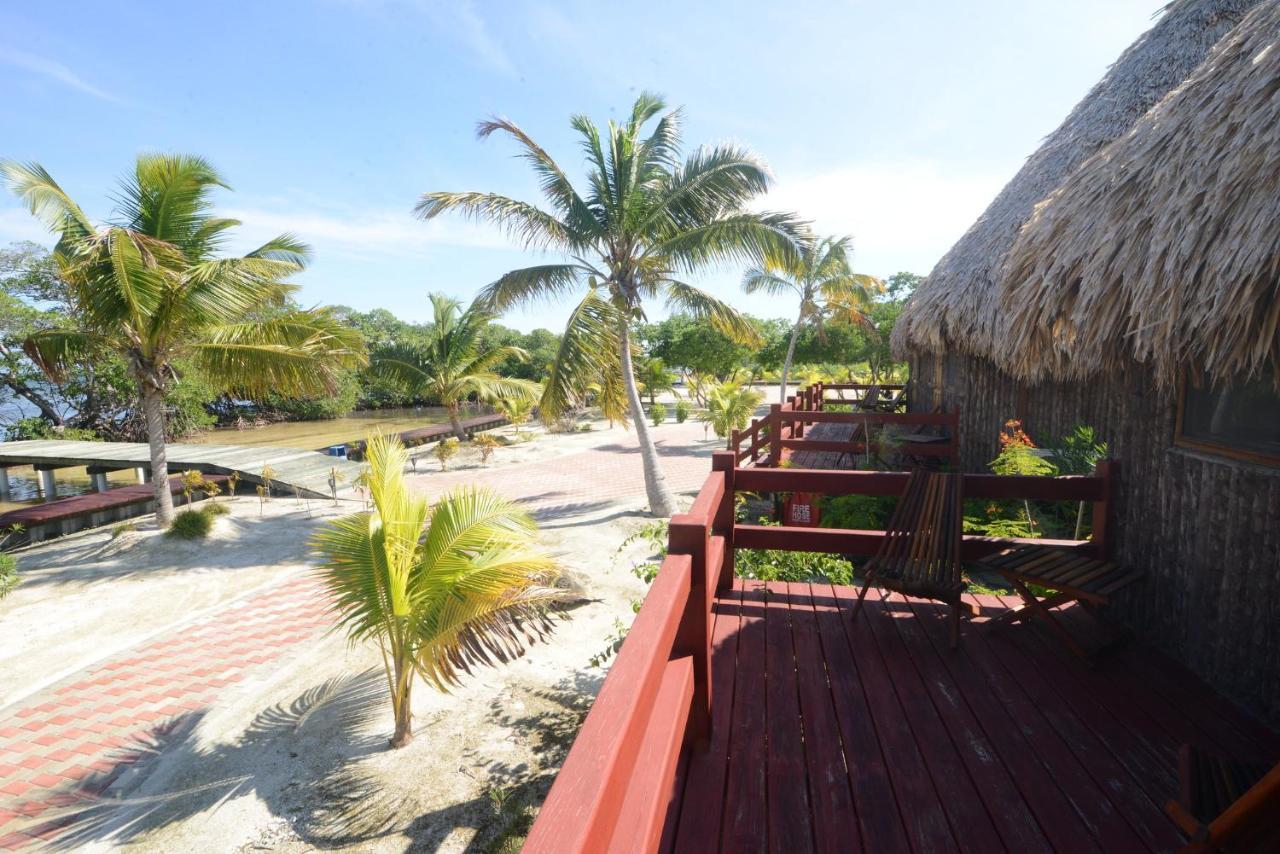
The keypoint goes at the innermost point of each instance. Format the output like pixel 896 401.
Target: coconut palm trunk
pixel 455 421
pixel 661 502
pixel 402 699
pixel 791 353
pixel 153 414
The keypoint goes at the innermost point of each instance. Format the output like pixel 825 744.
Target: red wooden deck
pixel 833 736
pixel 94 502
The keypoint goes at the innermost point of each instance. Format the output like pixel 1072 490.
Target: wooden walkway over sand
pixel 307 471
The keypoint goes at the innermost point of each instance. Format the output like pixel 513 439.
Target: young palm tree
pixel 151 286
pixel 449 367
pixel 729 407
pixel 654 377
pixel 819 274
pixel 644 219
pixel 472 589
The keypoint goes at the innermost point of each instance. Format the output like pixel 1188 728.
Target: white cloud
pixel 17 224
pixel 360 234
pixel 55 71
pixel 902 214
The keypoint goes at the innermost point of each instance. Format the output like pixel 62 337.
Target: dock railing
pixel 766 440
pixel 621 779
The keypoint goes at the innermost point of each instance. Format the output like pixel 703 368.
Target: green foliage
pixel 38 428
pixel 653 377
pixel 697 346
pixel 446 449
pixel 123 528
pixel 486 443
pixel 343 399
pixel 859 512
pixel 682 411
pixel 730 407
pixel 657 414
pixel 1079 451
pixel 191 525
pixel 9 578
pixel 215 509
pixel 779 565
pixel 439 588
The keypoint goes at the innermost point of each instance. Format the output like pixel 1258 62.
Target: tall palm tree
pixel 820 276
pixel 449 366
pixel 467 591
pixel 152 286
pixel 645 218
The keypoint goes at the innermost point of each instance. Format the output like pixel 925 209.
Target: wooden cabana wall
pixel 1205 528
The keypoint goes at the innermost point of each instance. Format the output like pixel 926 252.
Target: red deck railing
pixel 619 780
pixel 764 442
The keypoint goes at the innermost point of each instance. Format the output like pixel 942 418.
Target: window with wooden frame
pixel 1240 420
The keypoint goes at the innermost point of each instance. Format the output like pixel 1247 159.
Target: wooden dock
pixel 307 471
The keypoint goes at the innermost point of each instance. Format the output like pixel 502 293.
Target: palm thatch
pixel 1163 248
pixel 957 307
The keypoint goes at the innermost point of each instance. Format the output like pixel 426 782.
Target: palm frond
pixel 168 196
pixel 525 223
pixel 545 281
pixel 740 237
pixel 552 179
pixel 47 201
pixel 762 278
pixel 55 351
pixel 588 354
pixel 702 305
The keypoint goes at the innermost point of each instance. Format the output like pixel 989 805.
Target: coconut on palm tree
pixel 449 366
pixel 644 219
pixel 152 286
pixel 819 274
pixel 440 588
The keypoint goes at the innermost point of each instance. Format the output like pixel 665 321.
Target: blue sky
pixel 893 122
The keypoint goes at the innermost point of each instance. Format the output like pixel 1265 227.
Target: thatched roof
pixel 957 306
pixel 1165 247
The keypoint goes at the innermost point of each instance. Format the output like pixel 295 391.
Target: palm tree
pixel 449 366
pixel 644 219
pixel 819 274
pixel 654 377
pixel 467 591
pixel 729 407
pixel 151 286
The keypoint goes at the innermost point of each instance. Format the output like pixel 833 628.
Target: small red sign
pixel 802 510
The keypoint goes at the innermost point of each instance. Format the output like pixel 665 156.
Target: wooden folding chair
pixel 920 553
pixel 1072 575
pixel 1226 804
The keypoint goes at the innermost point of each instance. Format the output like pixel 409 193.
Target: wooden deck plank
pixel 1050 805
pixel 991 780
pixel 1214 719
pixel 790 816
pixel 835 825
pixel 745 827
pixel 958 792
pixel 704 788
pixel 920 807
pixel 875 803
pixel 1089 800
pixel 1143 812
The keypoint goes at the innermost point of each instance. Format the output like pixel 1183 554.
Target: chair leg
pixel 862 594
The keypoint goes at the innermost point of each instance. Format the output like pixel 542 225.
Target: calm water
pixel 24 484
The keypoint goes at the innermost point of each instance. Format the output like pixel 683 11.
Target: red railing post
pixel 688 535
pixel 735 442
pixel 726 516
pixel 820 397
pixel 775 434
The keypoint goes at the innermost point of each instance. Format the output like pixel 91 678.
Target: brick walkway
pixel 63 746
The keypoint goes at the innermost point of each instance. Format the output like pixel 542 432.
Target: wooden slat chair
pixel 920 553
pixel 1072 575
pixel 1226 804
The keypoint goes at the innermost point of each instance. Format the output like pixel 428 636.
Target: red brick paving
pixel 66 744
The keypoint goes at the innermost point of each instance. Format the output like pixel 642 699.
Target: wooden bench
pixel 1072 575
pixel 1226 804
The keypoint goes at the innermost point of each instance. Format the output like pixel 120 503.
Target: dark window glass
pixel 1243 417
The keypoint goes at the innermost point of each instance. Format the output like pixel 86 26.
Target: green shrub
pixel 8 575
pixel 213 509
pixel 779 565
pixel 191 525
pixel 123 528
pixel 860 512
pixel 657 413
pixel 446 449
pixel 682 411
